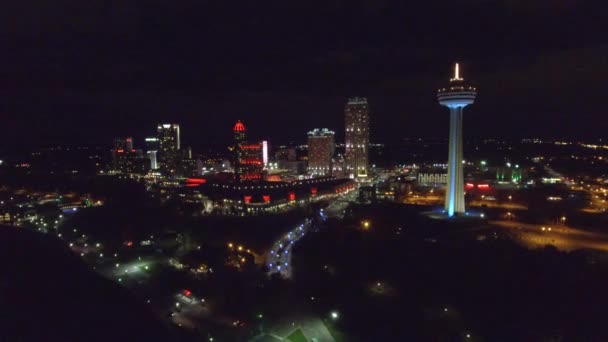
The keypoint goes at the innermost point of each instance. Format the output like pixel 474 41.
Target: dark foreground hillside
pixel 48 294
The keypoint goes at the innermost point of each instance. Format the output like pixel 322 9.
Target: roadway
pixel 278 258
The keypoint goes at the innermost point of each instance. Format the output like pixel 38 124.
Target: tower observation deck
pixel 456 95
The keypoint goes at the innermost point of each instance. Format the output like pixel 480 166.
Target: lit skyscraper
pixel 127 159
pixel 321 147
pixel 169 145
pixel 457 95
pixel 151 151
pixel 123 143
pixel 356 121
pixel 122 146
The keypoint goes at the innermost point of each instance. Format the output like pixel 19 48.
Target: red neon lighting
pixel 251 162
pixel 187 293
pixel 251 146
pixel 266 198
pixel 313 191
pixel 469 185
pixel 292 196
pixel 239 127
pixel 129 243
pixel 196 180
pixel 251 176
pixel 483 186
pixel 247 199
pixel 120 151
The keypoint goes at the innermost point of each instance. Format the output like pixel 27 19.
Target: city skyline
pixel 302 171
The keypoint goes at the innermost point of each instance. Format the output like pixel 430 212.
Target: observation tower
pixel 456 95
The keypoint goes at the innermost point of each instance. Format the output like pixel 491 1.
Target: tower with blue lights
pixel 456 95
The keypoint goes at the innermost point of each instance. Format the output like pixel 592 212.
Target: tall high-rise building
pixel 456 95
pixel 152 151
pixel 129 143
pixel 190 166
pixel 126 159
pixel 123 143
pixel 356 122
pixel 122 148
pixel 321 148
pixel 247 156
pixel 169 145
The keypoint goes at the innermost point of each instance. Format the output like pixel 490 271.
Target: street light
pixel 334 315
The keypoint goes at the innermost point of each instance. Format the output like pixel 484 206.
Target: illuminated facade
pixel 321 148
pixel 152 151
pixel 248 163
pixel 356 121
pixel 265 148
pixel 456 95
pixel 169 145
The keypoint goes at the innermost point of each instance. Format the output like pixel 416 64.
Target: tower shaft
pixel 454 195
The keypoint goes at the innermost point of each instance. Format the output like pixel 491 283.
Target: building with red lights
pixel 321 148
pixel 126 159
pixel 264 197
pixel 248 163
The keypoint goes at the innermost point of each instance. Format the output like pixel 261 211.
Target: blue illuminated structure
pixel 455 96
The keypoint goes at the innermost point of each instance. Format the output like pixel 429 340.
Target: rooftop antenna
pixel 456 73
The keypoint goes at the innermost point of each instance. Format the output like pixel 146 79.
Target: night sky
pixel 82 72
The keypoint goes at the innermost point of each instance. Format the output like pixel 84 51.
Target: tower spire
pixel 456 73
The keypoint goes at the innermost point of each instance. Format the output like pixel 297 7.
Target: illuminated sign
pixel 265 152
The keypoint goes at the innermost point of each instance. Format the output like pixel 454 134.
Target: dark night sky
pixel 86 71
